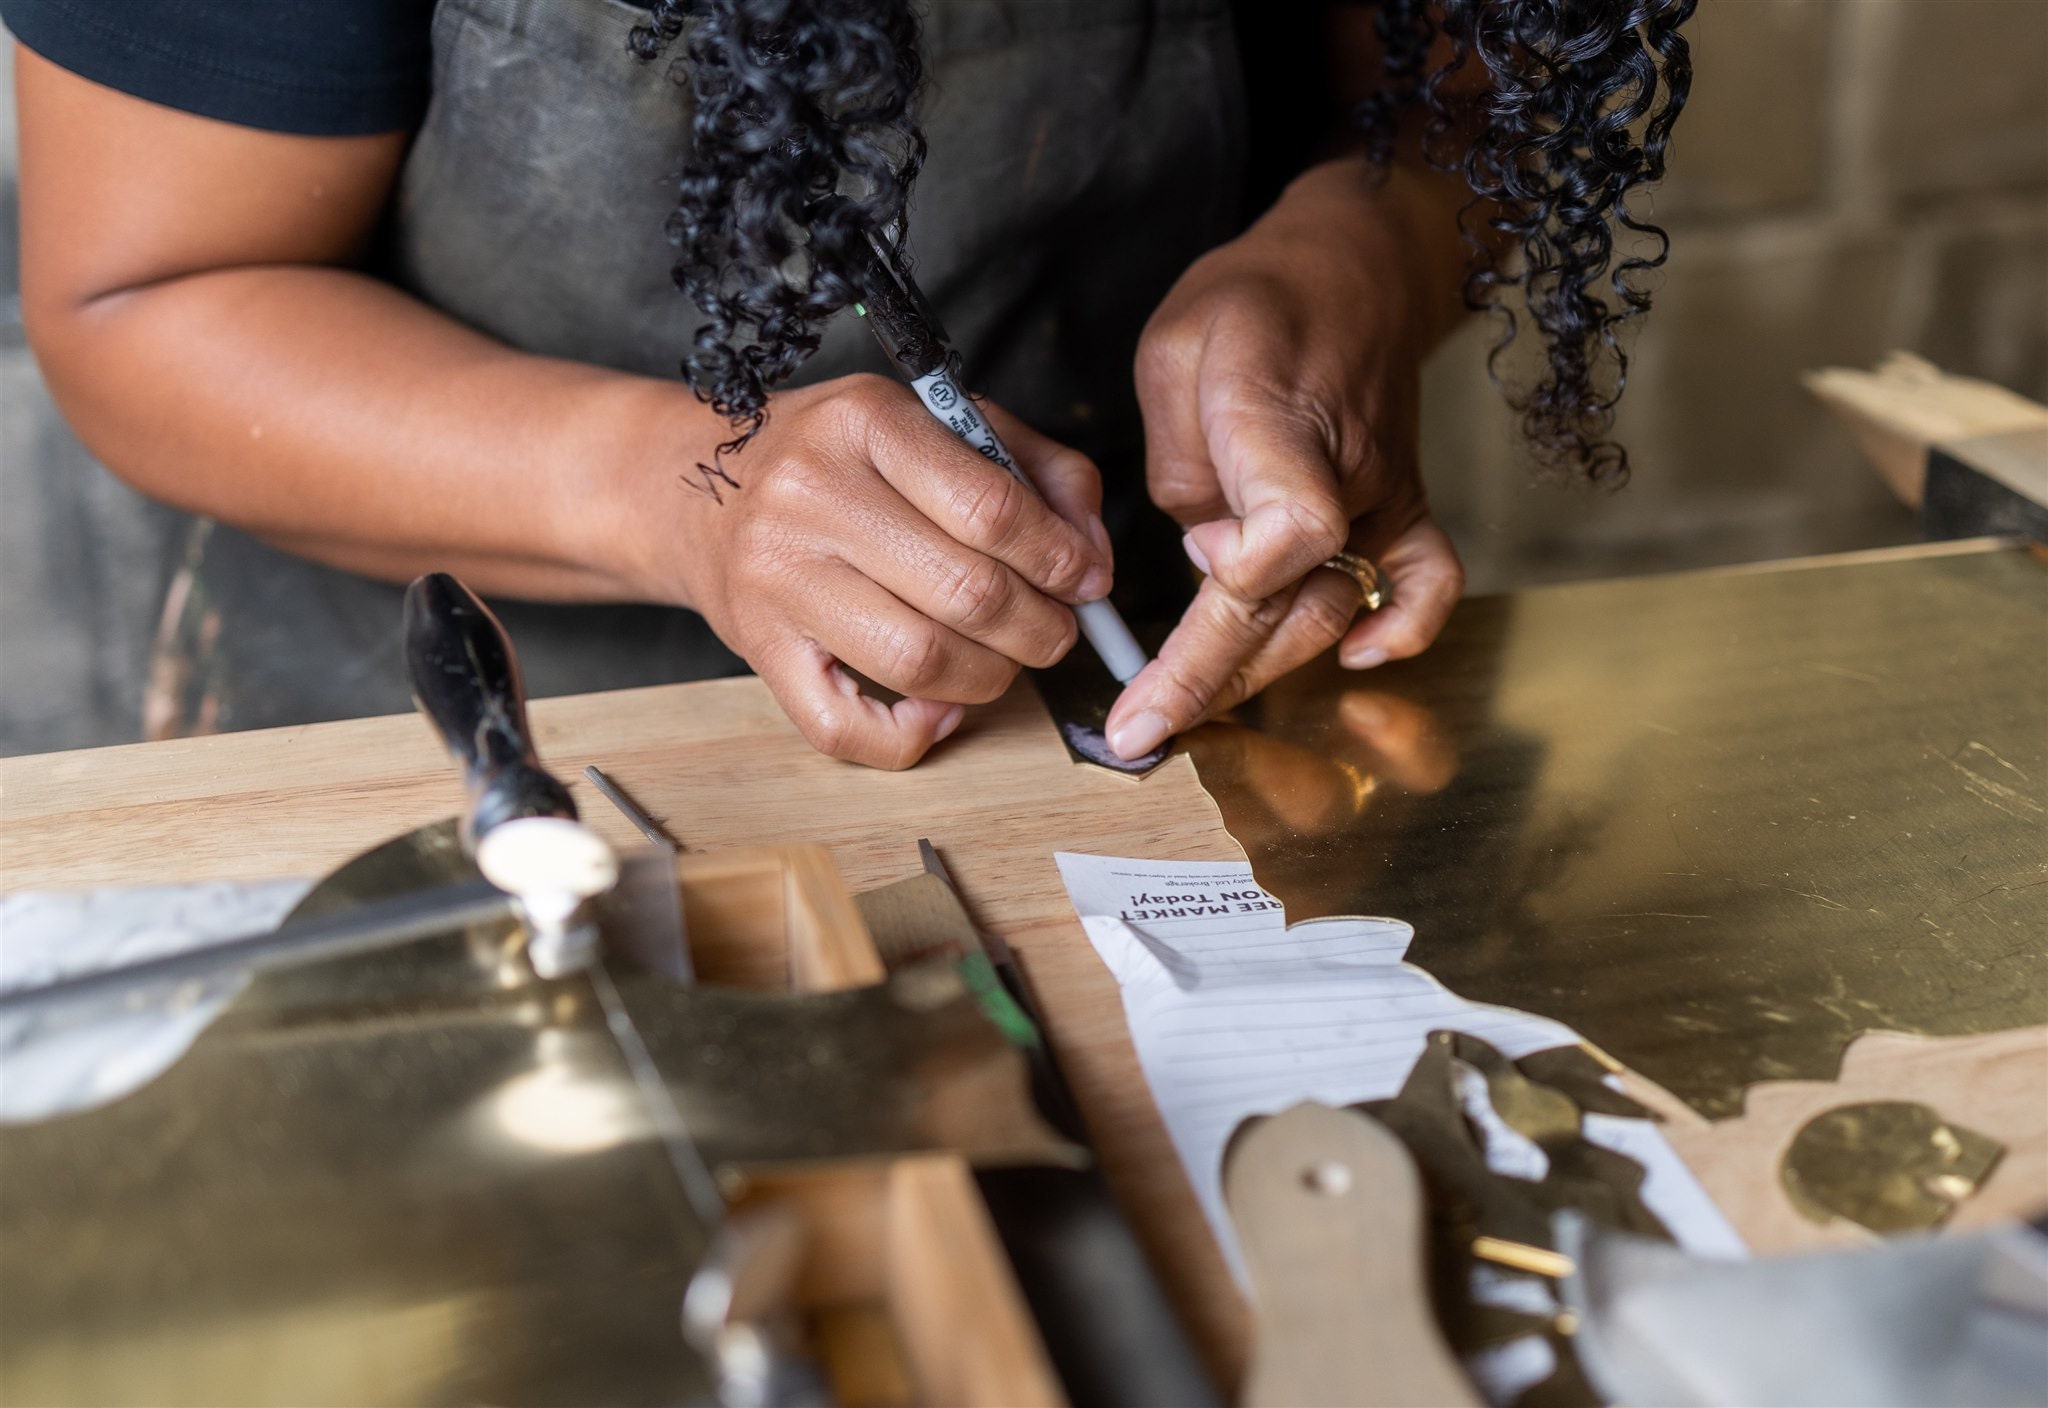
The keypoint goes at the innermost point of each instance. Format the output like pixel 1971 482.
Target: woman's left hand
pixel 1279 385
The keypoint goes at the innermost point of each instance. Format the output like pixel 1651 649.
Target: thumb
pixel 1290 517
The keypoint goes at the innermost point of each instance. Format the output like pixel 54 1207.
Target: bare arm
pixel 188 289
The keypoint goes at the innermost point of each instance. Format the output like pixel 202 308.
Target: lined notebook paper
pixel 1235 1013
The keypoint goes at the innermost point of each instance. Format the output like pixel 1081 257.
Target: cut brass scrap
pixel 1518 1256
pixel 1886 1165
pixel 1478 1215
pixel 1581 1072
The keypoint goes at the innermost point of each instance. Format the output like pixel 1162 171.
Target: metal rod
pixel 616 795
pixel 371 925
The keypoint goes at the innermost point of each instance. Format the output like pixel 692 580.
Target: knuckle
pixel 1065 563
pixel 827 729
pixel 1049 645
pixel 988 509
pixel 858 402
pixel 1328 614
pixel 1319 526
pixel 916 659
pixel 975 594
pixel 1254 620
pixel 1066 466
pixel 994 686
pixel 1177 485
pixel 865 390
pixel 1169 346
pixel 1183 695
pixel 794 486
pixel 1243 683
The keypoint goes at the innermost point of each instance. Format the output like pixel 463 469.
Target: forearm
pixel 341 419
pixel 1409 219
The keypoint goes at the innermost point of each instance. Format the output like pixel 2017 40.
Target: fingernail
pixel 1139 734
pixel 1095 586
pixel 1098 534
pixel 1195 553
pixel 1364 659
pixel 950 722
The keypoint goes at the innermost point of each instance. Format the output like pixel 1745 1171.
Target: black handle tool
pixel 465 679
pixel 521 824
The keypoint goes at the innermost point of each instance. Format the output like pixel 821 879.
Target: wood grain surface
pixel 721 766
pixel 1996 1084
pixel 1329 1209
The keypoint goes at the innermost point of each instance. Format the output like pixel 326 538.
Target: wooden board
pixel 1996 1084
pixel 719 763
pixel 724 769
pixel 909 1242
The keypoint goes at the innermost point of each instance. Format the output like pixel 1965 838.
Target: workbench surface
pixel 721 766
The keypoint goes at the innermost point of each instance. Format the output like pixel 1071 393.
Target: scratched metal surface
pixel 414 1177
pixel 1721 823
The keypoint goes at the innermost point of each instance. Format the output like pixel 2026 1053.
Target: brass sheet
pixel 1886 1165
pixel 424 1175
pixel 1719 823
pixel 410 1183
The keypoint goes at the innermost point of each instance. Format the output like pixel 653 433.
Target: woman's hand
pixel 1279 385
pixel 865 536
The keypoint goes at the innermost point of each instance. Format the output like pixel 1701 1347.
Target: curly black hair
pixel 803 139
pixel 1576 116
pixel 801 143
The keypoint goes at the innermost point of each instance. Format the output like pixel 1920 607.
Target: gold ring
pixel 1367 576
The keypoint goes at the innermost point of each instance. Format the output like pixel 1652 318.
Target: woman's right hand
pixel 865 536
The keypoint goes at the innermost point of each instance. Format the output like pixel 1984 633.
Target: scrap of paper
pixel 76 1055
pixel 1236 1013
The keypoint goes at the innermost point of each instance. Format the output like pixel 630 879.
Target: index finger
pixel 984 506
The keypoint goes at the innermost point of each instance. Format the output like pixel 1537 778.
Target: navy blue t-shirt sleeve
pixel 340 68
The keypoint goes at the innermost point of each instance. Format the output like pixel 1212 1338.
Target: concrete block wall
pixel 1852 176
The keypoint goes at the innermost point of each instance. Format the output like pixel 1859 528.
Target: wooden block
pixel 1328 1208
pixel 860 1345
pixel 1908 406
pixel 903 1278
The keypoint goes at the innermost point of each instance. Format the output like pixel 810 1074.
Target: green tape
pixel 861 309
pixel 996 1003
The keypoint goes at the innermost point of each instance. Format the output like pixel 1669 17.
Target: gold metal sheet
pixel 424 1175
pixel 1720 823
pixel 395 1188
pixel 1885 1165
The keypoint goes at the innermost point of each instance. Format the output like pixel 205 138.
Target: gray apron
pixel 1083 153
